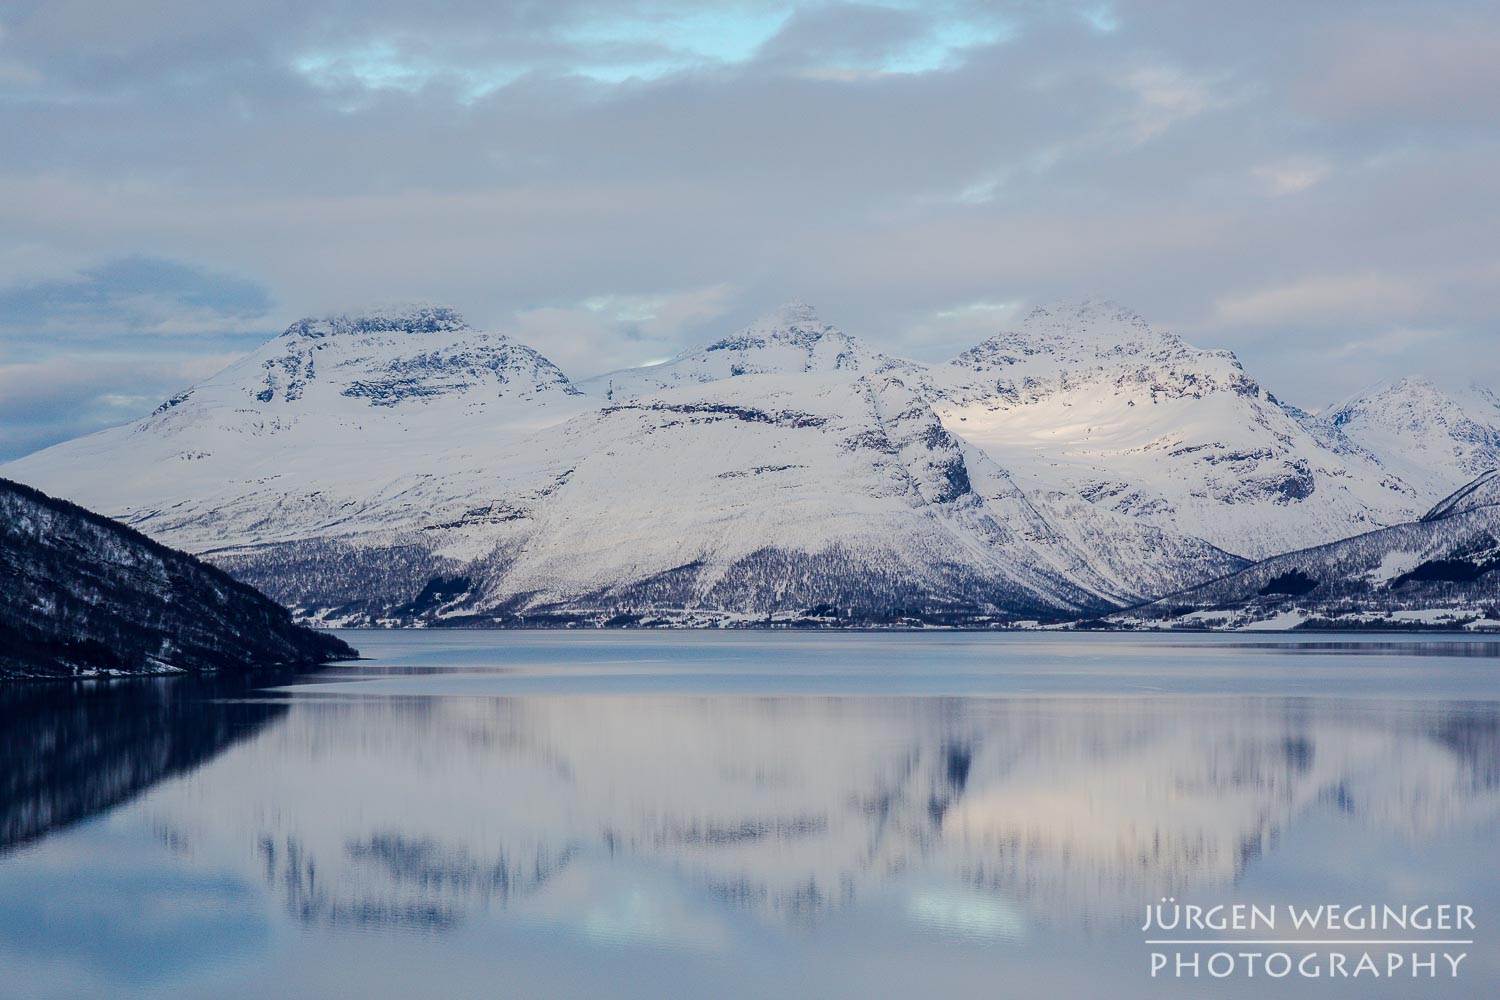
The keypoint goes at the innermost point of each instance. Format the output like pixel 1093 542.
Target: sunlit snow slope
pixel 1091 402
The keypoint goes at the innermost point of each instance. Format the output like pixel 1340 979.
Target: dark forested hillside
pixel 84 596
pixel 1442 571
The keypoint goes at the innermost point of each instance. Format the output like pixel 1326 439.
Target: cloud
pixel 1165 96
pixel 619 181
pixel 1291 175
pixel 44 402
pixel 1343 297
pixel 104 345
pixel 1438 69
pixel 129 296
pixel 1391 343
pixel 610 331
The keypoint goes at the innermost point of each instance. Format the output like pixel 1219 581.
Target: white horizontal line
pixel 1307 941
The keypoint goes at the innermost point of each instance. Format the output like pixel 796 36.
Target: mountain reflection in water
pixel 70 750
pixel 443 797
pixel 410 812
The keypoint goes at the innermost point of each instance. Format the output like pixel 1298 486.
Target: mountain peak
pixel 412 319
pixel 787 340
pixel 1433 437
pixel 1418 390
pixel 1096 322
pixel 789 313
pixel 794 324
pixel 1416 382
pixel 1404 394
pixel 1085 309
pixel 1083 333
pixel 406 356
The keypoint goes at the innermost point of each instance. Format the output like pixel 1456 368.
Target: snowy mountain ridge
pixel 1057 346
pixel 787 340
pixel 1434 439
pixel 1442 571
pixel 404 466
pixel 1090 401
pixel 747 496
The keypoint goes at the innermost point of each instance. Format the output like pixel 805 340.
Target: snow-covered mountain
pixel 405 466
pixel 1128 555
pixel 747 496
pixel 1435 440
pixel 787 340
pixel 1090 401
pixel 310 429
pixel 1443 570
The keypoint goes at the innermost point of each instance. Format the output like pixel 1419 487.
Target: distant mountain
pixel 87 597
pixel 1090 401
pixel 403 467
pixel 332 417
pixel 1440 571
pixel 1128 557
pixel 1435 440
pixel 789 340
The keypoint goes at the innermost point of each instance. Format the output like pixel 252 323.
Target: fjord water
pixel 740 814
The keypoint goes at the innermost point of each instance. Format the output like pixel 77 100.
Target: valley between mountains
pixel 404 468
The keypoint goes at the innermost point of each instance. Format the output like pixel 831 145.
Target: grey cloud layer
pixel 1312 185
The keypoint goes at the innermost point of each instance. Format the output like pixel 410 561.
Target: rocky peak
pixel 1057 346
pixel 1083 333
pixel 1410 400
pixel 795 324
pixel 1434 437
pixel 415 319
pixel 788 340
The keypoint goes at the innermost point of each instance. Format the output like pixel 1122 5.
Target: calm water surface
pixel 723 815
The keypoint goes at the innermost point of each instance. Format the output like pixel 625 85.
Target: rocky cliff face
pixel 88 597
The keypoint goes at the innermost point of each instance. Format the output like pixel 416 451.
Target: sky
pixel 1315 186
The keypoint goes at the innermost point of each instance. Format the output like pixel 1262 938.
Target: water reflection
pixel 419 813
pixel 730 817
pixel 1444 648
pixel 70 750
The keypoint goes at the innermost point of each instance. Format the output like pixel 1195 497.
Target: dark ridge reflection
pixel 1473 734
pixel 1441 648
pixel 70 751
